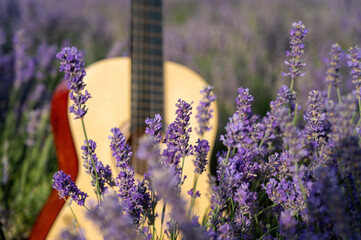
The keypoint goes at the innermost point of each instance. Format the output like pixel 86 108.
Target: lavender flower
pixel 32 127
pixel 201 151
pixel 204 112
pixel 72 64
pixel 294 63
pixel 333 77
pixel 101 175
pixel 109 217
pixel 241 128
pixel 66 187
pixel 121 151
pixel 24 65
pixel 315 118
pixel 177 138
pixel 353 61
pixel 326 205
pixel 287 224
pixel 154 127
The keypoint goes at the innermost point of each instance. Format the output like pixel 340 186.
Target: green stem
pixel 272 229
pixel 329 92
pixel 193 197
pixel 93 162
pixel 339 95
pixel 162 219
pixel 76 220
pixel 292 81
pixel 301 184
pixel 263 210
pixel 295 116
pixel 180 184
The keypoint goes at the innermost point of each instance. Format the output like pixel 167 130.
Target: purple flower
pixel 66 187
pixel 204 113
pixel 133 194
pixel 242 130
pixel 327 205
pixel 194 194
pixel 121 151
pixel 72 65
pixel 109 217
pixel 333 77
pixel 315 118
pixel 294 63
pixel 287 224
pixel 24 65
pixel 201 151
pixel 154 128
pixel 177 137
pixel 101 175
pixel 353 61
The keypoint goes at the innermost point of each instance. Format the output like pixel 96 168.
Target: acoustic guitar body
pixel 109 82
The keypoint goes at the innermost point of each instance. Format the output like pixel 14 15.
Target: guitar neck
pixel 147 61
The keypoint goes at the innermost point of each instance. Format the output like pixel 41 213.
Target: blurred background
pixel 230 43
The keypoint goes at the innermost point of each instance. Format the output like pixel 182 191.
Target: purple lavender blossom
pixel 154 128
pixel 109 217
pixel 101 175
pixel 333 77
pixel 24 65
pixel 353 61
pixel 315 118
pixel 121 151
pixel 272 134
pixel 204 112
pixel 201 151
pixel 326 206
pixel 291 137
pixel 66 187
pixel 294 63
pixel 32 127
pixel 241 131
pixel 287 224
pixel 194 194
pixel 72 64
pixel 177 138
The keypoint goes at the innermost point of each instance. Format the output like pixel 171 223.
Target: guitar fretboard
pixel 147 66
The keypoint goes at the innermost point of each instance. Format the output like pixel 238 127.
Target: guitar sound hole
pixel 139 166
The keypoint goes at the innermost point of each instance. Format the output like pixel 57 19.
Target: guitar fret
pixel 158 59
pixel 147 34
pixel 149 46
pixel 154 82
pixel 149 69
pixel 155 9
pixel 144 21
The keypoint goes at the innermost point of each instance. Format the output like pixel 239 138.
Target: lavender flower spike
pixel 104 174
pixel 121 151
pixel 333 66
pixel 353 61
pixel 154 127
pixel 204 113
pixel 72 65
pixel 294 63
pixel 201 151
pixel 66 187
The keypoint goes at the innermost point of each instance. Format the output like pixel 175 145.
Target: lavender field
pixel 291 170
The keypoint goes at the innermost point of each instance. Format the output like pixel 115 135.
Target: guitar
pixel 124 93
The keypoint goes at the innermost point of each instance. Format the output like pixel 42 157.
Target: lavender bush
pixel 230 43
pixel 281 177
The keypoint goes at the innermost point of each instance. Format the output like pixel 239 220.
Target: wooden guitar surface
pixel 109 82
